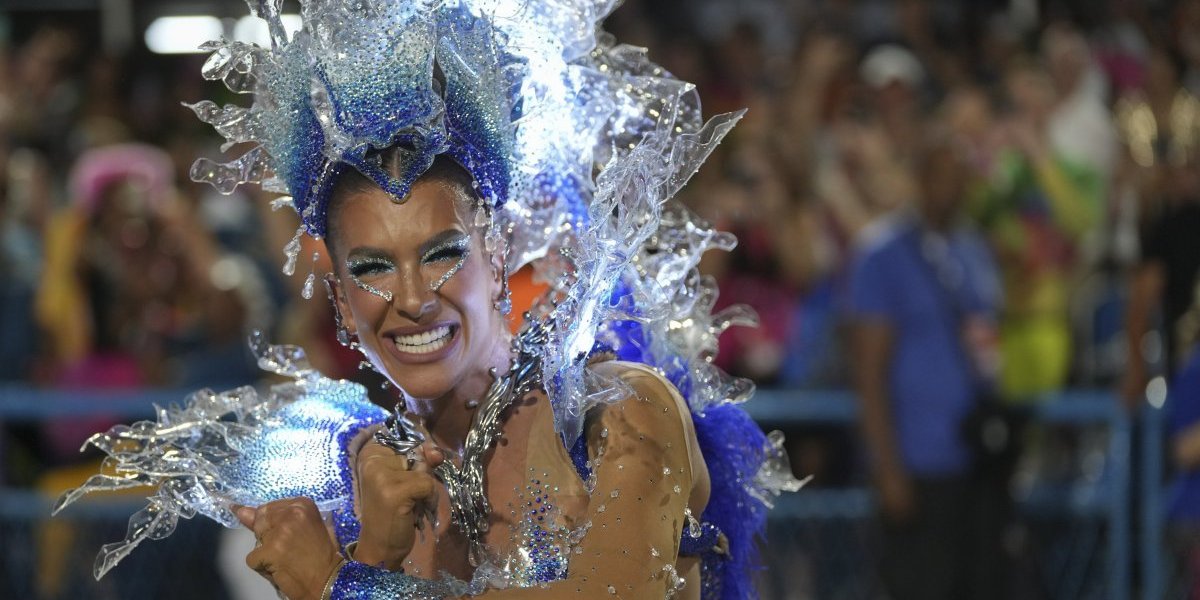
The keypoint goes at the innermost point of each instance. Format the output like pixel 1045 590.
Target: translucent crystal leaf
pixel 736 315
pixel 235 123
pixel 239 446
pixel 99 483
pixel 236 64
pixel 152 522
pixel 775 475
pixel 289 361
pixel 269 11
pixel 226 177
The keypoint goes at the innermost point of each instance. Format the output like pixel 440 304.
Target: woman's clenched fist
pixel 391 494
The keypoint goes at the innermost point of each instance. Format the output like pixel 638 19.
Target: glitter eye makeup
pixel 360 266
pixel 457 249
pixel 363 266
pixel 450 247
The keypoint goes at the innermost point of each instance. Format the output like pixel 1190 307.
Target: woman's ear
pixel 503 297
pixel 341 308
pixel 498 269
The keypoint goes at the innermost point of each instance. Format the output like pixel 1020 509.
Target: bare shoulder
pixel 647 384
pixel 657 414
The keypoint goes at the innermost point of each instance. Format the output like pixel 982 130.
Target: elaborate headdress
pixel 578 144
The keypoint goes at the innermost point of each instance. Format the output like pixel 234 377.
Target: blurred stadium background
pixel 125 284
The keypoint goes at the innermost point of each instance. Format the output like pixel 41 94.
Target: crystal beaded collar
pixel 469 506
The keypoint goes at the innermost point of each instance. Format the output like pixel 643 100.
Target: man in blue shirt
pixel 923 298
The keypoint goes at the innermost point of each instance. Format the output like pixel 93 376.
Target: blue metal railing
pixel 29 404
pixel 1153 509
pixel 1109 498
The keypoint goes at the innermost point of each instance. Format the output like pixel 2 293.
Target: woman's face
pixel 415 286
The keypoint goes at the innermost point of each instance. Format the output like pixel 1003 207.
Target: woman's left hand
pixel 391 495
pixel 294 551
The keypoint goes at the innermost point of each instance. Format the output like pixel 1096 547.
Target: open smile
pixel 426 344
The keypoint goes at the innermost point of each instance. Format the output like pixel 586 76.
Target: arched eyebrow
pixel 433 243
pixel 361 252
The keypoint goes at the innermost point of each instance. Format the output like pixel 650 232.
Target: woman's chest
pixel 537 507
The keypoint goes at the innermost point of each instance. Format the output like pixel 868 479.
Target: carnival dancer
pixel 436 147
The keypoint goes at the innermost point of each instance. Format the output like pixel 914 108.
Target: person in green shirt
pixel 1035 206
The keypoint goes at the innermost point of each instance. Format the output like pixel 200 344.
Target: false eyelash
pixel 357 267
pixel 456 248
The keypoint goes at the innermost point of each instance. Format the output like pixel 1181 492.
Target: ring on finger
pixel 401 435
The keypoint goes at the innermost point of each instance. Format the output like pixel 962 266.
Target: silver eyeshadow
pixel 357 265
pixel 461 243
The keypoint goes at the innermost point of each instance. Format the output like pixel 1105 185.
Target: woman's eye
pixel 454 249
pixel 364 268
pixel 446 254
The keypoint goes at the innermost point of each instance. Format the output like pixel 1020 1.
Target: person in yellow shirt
pixel 1035 206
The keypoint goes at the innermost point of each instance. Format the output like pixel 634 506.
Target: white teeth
pixel 424 343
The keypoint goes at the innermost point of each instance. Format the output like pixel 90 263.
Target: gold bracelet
pixel 327 593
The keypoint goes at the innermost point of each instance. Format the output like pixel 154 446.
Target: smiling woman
pixel 414 283
pixel 437 147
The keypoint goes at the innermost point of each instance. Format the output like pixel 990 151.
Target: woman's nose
pixel 414 299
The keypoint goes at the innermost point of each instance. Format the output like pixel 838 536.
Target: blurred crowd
pixel 1068 133
pixel 945 205
pixel 121 273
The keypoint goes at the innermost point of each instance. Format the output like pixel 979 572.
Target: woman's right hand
pixel 391 496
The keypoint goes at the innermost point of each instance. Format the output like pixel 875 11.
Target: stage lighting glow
pixel 254 30
pixel 182 34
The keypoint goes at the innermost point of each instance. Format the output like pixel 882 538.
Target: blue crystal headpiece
pixel 579 142
pixel 426 78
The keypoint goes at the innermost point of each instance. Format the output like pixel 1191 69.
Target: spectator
pixel 129 278
pixel 924 295
pixel 24 202
pixel 895 80
pixel 1161 128
pixel 861 171
pixel 1035 206
pixel 1080 127
pixel 922 27
pixel 1183 429
pixel 754 203
pixel 1121 44
pixel 44 96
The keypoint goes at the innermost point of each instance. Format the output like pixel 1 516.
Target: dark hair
pixel 351 182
